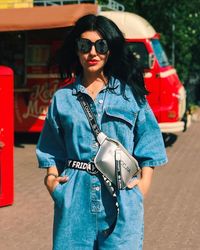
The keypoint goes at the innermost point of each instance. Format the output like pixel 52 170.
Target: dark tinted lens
pixel 84 45
pixel 101 46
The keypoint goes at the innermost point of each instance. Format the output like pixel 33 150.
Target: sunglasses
pixel 85 45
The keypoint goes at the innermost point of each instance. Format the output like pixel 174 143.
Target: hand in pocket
pixel 142 185
pixel 52 182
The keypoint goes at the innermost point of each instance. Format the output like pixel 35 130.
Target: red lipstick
pixel 92 62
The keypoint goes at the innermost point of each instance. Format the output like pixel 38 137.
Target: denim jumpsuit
pixel 84 210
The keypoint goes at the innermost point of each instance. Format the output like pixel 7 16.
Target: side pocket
pixel 139 192
pixel 56 194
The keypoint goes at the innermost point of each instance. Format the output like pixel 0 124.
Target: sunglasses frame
pixel 90 44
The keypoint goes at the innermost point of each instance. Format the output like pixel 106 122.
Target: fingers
pixel 62 179
pixel 133 183
pixel 52 183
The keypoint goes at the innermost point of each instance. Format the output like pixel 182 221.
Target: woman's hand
pixel 52 181
pixel 144 182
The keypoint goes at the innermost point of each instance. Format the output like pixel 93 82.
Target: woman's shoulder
pixel 65 88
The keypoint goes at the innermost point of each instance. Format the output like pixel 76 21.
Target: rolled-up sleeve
pixel 149 147
pixel 50 149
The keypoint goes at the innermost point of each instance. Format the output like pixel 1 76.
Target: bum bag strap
pixel 91 118
pixel 96 130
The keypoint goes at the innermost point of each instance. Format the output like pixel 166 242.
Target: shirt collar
pixel 78 87
pixel 113 84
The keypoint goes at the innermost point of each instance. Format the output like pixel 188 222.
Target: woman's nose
pixel 93 50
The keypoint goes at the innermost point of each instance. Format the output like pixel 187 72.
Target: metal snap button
pixel 97 188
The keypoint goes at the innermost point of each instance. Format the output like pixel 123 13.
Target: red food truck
pixel 28 38
pixel 27 45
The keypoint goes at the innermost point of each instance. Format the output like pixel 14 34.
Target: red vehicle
pixel 167 96
pixel 28 48
pixel 6 136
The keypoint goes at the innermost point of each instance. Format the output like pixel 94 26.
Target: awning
pixel 43 17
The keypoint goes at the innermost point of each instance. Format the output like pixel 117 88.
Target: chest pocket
pixel 119 123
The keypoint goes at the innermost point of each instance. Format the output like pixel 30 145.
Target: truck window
pixel 140 52
pixel 12 54
pixel 38 55
pixel 159 53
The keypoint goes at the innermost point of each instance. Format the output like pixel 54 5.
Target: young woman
pixel 106 73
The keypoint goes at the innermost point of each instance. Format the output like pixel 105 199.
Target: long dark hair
pixel 121 63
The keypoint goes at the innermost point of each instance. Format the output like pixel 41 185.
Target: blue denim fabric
pixel 83 206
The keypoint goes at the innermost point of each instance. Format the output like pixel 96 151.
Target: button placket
pixel 99 102
pixel 95 196
pixel 95 191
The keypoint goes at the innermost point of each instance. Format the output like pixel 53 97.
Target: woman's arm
pixel 145 180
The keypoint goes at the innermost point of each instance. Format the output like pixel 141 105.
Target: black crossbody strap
pixel 91 118
pixel 96 130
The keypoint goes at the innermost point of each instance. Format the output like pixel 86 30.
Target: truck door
pixel 170 86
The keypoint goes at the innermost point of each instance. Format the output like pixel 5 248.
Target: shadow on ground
pixel 25 138
pixel 169 139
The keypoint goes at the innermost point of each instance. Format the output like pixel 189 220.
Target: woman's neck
pixel 94 79
pixel 94 84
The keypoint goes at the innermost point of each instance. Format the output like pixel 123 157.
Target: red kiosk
pixel 6 136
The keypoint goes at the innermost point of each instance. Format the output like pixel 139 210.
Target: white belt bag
pixel 112 159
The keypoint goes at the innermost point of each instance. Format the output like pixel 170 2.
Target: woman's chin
pixel 93 69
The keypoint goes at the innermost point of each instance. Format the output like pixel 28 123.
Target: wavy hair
pixel 121 63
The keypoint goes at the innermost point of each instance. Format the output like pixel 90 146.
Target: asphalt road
pixel 172 208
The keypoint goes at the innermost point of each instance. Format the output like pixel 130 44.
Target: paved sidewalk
pixel 173 206
pixel 172 220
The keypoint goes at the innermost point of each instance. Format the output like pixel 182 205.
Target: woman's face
pixel 93 61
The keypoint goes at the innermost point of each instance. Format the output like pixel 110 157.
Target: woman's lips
pixel 92 62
